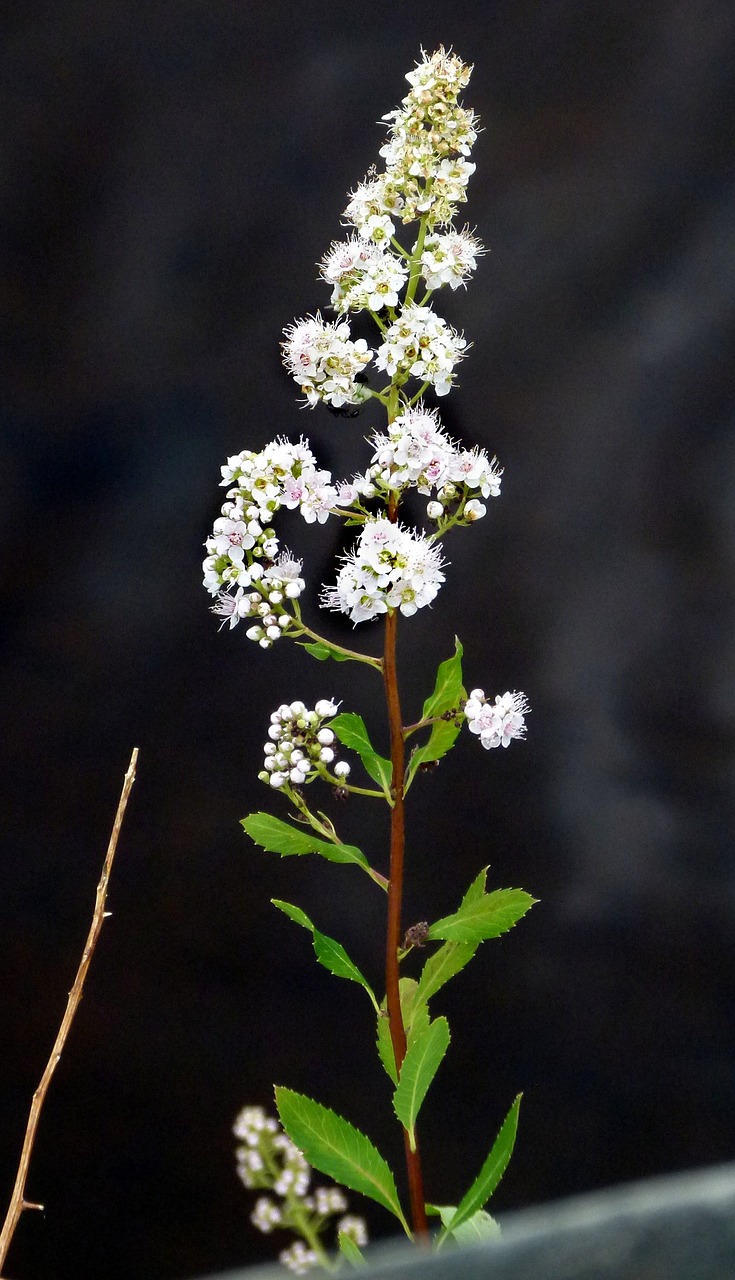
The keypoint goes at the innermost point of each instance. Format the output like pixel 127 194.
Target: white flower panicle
pixel 362 275
pixel 267 1160
pixel 430 136
pixel 325 362
pixel 301 745
pixel 245 568
pixel 391 567
pixel 422 345
pixel 417 453
pixel 496 723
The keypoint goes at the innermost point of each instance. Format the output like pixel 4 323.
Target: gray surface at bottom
pixel 676 1228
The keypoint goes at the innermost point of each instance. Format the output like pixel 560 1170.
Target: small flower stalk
pixel 401 249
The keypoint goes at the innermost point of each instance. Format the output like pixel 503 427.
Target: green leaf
pixel 476 889
pixel 350 1250
pixel 447 695
pixel 448 690
pixel 415 1022
pixel 420 1065
pixel 280 837
pixel 485 917
pixel 328 952
pixel 491 1172
pixel 439 968
pixel 335 1147
pixel 321 650
pixel 441 740
pixel 481 1226
pixel 351 731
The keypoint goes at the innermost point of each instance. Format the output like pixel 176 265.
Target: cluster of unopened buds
pixel 301 746
pixel 268 1160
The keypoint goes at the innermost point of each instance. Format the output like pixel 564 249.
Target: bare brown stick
pixel 395 896
pixel 18 1201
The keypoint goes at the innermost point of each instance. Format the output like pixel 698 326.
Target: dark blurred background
pixel 171 174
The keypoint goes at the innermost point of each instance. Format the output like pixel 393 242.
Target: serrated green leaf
pixel 352 732
pixel 441 740
pixel 443 965
pixel 448 690
pixel 420 1065
pixel 491 1172
pixel 329 952
pixel 481 1226
pixel 476 889
pixel 322 651
pixel 485 917
pixel 280 837
pixel 415 1021
pixel 350 1250
pixel 339 1150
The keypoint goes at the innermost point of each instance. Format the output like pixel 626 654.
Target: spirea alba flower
pixel 449 258
pixel 427 135
pixel 298 1258
pixel 301 745
pixel 325 362
pixel 496 723
pixel 390 568
pixel 377 197
pixel 421 344
pixel 267 1160
pixel 362 276
pixel 415 451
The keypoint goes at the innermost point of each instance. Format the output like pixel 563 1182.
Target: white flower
pixel 449 258
pixel 416 452
pixel 390 568
pixel 298 1258
pixel 421 344
pixel 325 362
pixel 299 747
pixel 497 723
pixel 329 1200
pixel 266 1215
pixel 474 510
pixel 354 1227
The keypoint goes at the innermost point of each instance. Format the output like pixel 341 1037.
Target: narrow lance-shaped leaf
pixel 443 965
pixel 329 952
pixel 481 1226
pixel 491 1172
pixel 350 1250
pixel 280 837
pixel 448 689
pixel 415 1021
pixel 321 650
pixel 420 1065
pixel 485 917
pixel 447 695
pixel 339 1150
pixel 352 732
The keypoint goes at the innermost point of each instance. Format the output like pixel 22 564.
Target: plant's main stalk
pixel 395 897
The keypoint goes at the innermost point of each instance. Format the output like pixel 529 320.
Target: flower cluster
pixel 268 1160
pixel 416 452
pixel 429 136
pixel 421 344
pixel 391 567
pixel 362 275
pixel 301 745
pixel 244 567
pixel 325 362
pixel 497 722
pixel 449 258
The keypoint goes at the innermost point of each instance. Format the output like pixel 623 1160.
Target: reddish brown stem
pixel 395 896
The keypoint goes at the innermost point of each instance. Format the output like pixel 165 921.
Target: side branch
pixel 18 1201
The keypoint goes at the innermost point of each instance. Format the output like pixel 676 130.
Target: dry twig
pixel 18 1201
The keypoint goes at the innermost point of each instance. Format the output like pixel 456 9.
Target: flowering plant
pixel 392 569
